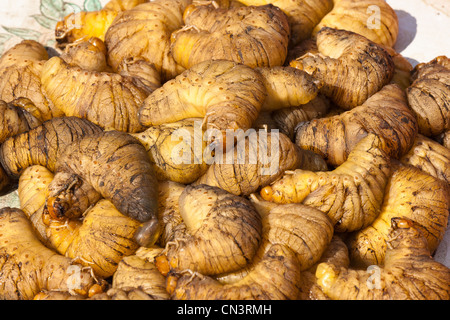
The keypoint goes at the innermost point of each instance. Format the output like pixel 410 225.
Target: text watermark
pixel 249 147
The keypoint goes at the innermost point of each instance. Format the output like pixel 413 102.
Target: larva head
pixel 148 233
pixel 68 30
pixel 89 54
pixel 291 188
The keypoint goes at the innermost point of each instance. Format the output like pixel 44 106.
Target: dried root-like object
pixel 118 167
pixel 110 100
pixel 176 150
pixel 351 67
pixel 408 273
pixel 227 94
pixel 257 160
pixel 43 145
pixel 144 32
pixel 303 15
pixel 27 266
pixel 351 195
pixel 410 193
pixel 305 230
pixel 429 156
pixel 223 233
pixel 261 283
pixel 20 76
pixel 385 114
pixel 428 96
pixel 373 19
pixel 87 24
pixel 256 36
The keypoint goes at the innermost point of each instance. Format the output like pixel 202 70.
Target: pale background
pixel 423 35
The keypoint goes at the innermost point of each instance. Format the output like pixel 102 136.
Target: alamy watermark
pixel 248 147
pixel 374 20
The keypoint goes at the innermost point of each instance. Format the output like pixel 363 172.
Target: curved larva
pixel 261 283
pixel 223 232
pixel 43 145
pixel 116 166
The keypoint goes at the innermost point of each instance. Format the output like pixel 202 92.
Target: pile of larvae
pixel 333 184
